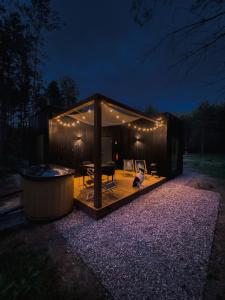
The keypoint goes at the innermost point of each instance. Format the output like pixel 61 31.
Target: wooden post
pixel 97 153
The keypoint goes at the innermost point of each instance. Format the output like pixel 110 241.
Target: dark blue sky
pixel 103 50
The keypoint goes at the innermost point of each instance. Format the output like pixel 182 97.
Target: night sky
pixel 104 51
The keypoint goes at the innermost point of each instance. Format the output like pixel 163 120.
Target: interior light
pixel 78 121
pixel 123 121
pixel 117 117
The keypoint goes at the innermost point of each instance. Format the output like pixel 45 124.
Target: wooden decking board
pixel 124 193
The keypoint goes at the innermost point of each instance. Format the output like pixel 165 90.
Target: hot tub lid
pixel 46 171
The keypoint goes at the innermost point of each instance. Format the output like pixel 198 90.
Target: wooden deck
pixel 122 194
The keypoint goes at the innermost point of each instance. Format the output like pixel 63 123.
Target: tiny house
pixel 107 143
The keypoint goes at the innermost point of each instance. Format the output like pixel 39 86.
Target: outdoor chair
pixel 83 170
pixel 140 164
pixel 109 186
pixel 89 184
pixel 128 166
pixel 154 169
pixel 108 171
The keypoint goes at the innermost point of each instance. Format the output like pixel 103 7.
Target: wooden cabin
pixel 99 132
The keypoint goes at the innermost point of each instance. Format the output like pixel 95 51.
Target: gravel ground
pixel 156 247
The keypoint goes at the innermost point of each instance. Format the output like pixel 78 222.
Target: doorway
pixel 106 149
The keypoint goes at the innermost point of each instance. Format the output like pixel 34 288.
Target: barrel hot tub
pixel 48 192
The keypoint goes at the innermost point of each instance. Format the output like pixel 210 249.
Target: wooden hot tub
pixel 47 192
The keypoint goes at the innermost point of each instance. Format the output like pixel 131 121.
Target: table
pixel 105 169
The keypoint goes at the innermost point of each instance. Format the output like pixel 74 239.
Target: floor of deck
pixel 123 189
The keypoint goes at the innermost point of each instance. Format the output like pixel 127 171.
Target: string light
pixel 158 123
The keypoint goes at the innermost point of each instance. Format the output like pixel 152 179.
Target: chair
pixel 83 170
pixel 141 164
pixel 128 166
pixel 154 169
pixel 108 171
pixel 89 184
pixel 109 186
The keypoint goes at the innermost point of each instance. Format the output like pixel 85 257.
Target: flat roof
pixel 85 102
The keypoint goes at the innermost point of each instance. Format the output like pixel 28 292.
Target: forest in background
pixel 24 96
pixel 204 129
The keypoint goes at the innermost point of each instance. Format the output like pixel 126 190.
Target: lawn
pixel 214 166
pixel 35 264
pixel 210 164
pixel 27 272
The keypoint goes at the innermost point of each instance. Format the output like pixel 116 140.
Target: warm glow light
pixel 111 110
pixel 117 117
pixel 135 127
pixel 123 121
pixel 89 110
pixel 73 124
pixel 83 117
pixel 78 121
pixel 129 124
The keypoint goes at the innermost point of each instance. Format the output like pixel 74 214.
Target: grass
pixel 210 164
pixel 26 272
pixel 35 264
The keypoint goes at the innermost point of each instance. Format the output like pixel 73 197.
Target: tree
pixel 22 27
pixel 54 98
pixel 62 94
pixel 205 128
pixel 203 33
pixel 150 110
pixel 69 91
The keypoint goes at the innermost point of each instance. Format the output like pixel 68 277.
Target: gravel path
pixel 156 247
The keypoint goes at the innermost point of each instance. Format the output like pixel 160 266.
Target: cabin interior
pixel 108 144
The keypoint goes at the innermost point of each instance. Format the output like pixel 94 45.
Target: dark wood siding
pixel 70 146
pixel 175 145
